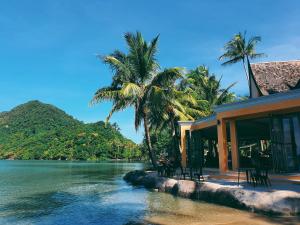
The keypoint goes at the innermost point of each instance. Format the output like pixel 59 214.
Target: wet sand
pixel 169 210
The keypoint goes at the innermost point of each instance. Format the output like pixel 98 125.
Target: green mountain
pixel 35 130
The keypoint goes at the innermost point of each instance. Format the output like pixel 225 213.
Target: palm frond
pixel 232 60
pixel 106 93
pixel 167 77
pixel 131 90
pixel 257 55
pixel 197 113
pixel 220 99
pixel 118 106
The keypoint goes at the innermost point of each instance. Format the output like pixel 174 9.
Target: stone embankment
pixel 274 202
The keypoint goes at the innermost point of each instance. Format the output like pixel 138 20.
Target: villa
pixel 264 127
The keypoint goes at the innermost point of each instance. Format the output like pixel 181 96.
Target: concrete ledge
pixel 275 202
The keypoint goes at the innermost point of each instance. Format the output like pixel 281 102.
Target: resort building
pixel 265 129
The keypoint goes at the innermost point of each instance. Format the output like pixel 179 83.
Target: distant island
pixel 35 130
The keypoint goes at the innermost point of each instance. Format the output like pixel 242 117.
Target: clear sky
pixel 48 48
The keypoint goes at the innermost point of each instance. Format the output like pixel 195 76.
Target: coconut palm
pixel 136 77
pixel 206 89
pixel 168 106
pixel 194 97
pixel 239 49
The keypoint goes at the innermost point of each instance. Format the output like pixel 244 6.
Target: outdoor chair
pixel 259 176
pixel 198 172
pixel 170 170
pixel 161 170
pixel 246 170
pixel 254 177
pixel 264 177
pixel 184 172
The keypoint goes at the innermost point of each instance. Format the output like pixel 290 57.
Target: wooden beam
pixel 222 146
pixel 234 145
pixel 262 110
pixel 204 125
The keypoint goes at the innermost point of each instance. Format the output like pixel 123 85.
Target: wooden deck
pixel 293 178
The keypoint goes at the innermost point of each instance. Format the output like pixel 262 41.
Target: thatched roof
pixel 274 77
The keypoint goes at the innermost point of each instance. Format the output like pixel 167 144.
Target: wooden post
pixel 222 146
pixel 183 146
pixel 234 145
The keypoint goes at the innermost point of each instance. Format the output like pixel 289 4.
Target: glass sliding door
pixel 277 145
pixel 288 143
pixel 188 147
pixel 285 143
pixel 198 149
pixel 296 129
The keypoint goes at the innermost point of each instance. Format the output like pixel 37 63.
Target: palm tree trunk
pixel 175 143
pixel 148 142
pixel 173 136
pixel 245 68
pixel 247 74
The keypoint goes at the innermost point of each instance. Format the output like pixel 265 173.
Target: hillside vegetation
pixel 35 130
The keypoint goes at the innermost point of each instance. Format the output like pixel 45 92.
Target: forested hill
pixel 35 130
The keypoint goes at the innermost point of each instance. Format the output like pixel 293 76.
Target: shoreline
pixel 77 160
pixel 277 202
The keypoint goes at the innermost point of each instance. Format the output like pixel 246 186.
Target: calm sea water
pixel 50 192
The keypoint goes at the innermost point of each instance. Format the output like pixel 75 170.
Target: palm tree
pixel 136 76
pixel 239 49
pixel 168 106
pixel 194 97
pixel 206 89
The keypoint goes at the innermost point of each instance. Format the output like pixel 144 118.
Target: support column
pixel 222 146
pixel 183 146
pixel 234 145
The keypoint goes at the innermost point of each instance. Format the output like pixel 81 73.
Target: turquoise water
pixel 56 192
pixel 49 192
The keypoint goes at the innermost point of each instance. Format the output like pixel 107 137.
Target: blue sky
pixel 48 48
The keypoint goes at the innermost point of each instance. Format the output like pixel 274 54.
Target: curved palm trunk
pixel 151 152
pixel 247 74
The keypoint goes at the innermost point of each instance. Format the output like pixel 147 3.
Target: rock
pixel 168 185
pixel 135 177
pixel 219 194
pixel 149 181
pixel 277 202
pixel 186 188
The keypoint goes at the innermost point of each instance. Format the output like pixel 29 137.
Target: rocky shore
pixel 273 202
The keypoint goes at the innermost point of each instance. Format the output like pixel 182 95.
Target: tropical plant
pixel 136 78
pixel 239 49
pixel 206 89
pixel 168 106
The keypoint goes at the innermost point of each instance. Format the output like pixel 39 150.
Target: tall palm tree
pixel 136 77
pixel 239 49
